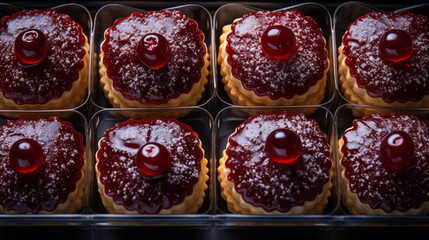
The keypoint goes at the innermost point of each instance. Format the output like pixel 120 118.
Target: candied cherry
pixel 31 46
pixel 395 45
pixel 153 50
pixel 283 146
pixel 153 159
pixel 26 155
pixel 278 41
pixel 397 149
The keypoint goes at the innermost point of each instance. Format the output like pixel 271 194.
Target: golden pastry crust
pixel 68 99
pixel 237 205
pixel 355 206
pixel 117 99
pixel 190 204
pixel 241 96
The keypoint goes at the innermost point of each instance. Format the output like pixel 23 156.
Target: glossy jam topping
pixel 374 182
pixel 406 80
pixel 283 146
pixel 268 76
pixel 31 46
pixel 145 84
pixel 122 178
pixel 26 155
pixel 153 159
pixel 56 177
pixel 271 185
pixel 278 42
pixel 395 45
pixel 60 67
pixel 397 150
pixel 153 50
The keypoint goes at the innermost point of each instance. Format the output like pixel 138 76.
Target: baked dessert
pixel 383 165
pixel 276 163
pixel 45 61
pixel 154 59
pixel 383 60
pixel 151 166
pixel 42 167
pixel 274 58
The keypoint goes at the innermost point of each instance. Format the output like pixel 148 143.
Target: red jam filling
pixel 60 67
pixel 26 155
pixel 58 173
pixel 395 45
pixel 117 165
pixel 146 84
pixel 153 159
pixel 283 146
pixel 374 181
pixel 31 46
pixel 269 184
pixel 397 149
pixel 389 77
pixel 278 42
pixel 153 50
pixel 272 77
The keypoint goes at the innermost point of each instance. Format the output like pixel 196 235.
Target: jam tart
pixel 383 60
pixel 276 163
pixel 154 59
pixel 274 58
pixel 45 61
pixel 42 168
pixel 383 165
pixel 151 166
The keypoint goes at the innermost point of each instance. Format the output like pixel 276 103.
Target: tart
pixel 383 165
pixel 42 167
pixel 276 163
pixel 154 59
pixel 383 60
pixel 274 58
pixel 45 62
pixel 151 166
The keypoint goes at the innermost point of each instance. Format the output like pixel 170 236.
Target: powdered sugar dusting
pixel 122 178
pixel 271 77
pixel 135 80
pixel 51 184
pixel 271 185
pixel 58 71
pixel 373 181
pixel 404 81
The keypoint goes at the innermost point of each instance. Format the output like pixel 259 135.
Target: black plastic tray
pixel 214 221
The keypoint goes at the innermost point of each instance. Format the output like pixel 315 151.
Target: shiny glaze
pixel 55 179
pixel 268 76
pixel 137 81
pixel 122 178
pixel 56 73
pixel 374 182
pixel 271 185
pixel 407 80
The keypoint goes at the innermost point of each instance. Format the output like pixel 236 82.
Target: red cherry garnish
pixel 395 45
pixel 26 155
pixel 153 159
pixel 397 149
pixel 153 50
pixel 283 146
pixel 278 42
pixel 31 46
